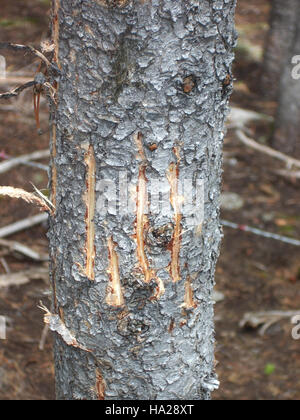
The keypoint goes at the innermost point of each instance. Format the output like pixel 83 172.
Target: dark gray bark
pixel 287 122
pixel 280 38
pixel 143 89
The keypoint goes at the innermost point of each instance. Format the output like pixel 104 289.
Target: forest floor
pixel 254 274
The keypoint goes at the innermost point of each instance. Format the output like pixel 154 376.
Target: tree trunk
pixel 280 38
pixel 142 96
pixel 287 123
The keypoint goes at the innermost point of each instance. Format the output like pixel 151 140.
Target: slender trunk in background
pixel 141 99
pixel 287 122
pixel 277 52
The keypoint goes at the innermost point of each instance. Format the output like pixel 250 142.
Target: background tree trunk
pixel 280 38
pixel 287 122
pixel 144 91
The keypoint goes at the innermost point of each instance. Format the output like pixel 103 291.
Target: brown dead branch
pixel 24 195
pixel 15 92
pixel 25 49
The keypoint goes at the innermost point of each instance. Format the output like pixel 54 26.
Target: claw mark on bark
pixel 100 386
pixel 189 302
pixel 176 201
pixel 90 200
pixel 142 221
pixel 141 224
pixel 114 290
pixel 55 31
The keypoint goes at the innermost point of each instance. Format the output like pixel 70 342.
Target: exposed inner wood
pixel 141 224
pixel 114 291
pixel 176 201
pixel 100 386
pixel 142 221
pixel 55 31
pixel 189 302
pixel 90 200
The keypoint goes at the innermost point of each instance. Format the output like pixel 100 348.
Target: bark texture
pixel 281 35
pixel 287 122
pixel 144 89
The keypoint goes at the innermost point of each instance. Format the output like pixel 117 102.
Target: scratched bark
pixel 141 90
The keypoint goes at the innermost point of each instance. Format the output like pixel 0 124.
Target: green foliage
pixel 270 369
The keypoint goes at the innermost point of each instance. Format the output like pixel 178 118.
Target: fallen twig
pixel 290 162
pixel 289 174
pixel 23 277
pixel 9 164
pixel 239 118
pixel 5 265
pixel 24 250
pixel 23 224
pixel 265 319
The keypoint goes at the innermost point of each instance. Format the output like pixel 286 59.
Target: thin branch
pixel 15 92
pixel 24 195
pixel 23 224
pixel 9 164
pixel 25 48
pixel 267 150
